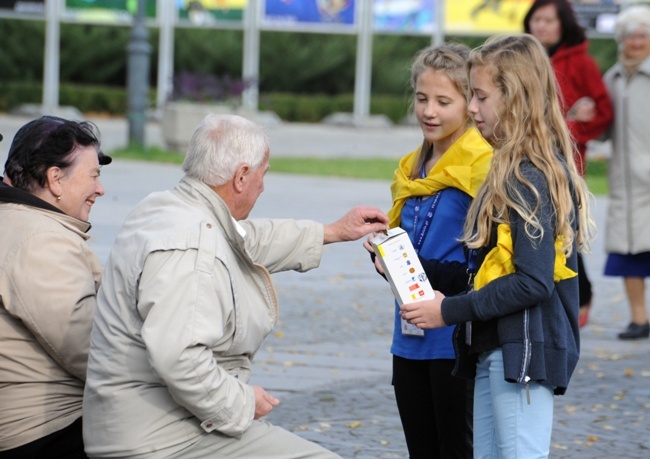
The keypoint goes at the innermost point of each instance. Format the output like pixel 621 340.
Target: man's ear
pixel 240 177
pixel 53 178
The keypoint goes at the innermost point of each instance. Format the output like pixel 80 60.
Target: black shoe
pixel 635 331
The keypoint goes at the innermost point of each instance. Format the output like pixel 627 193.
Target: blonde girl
pixel 432 190
pixel 519 338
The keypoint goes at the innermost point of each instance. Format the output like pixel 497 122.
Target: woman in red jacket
pixel 586 104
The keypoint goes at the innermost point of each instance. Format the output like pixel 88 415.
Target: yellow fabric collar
pixel 464 166
pixel 498 262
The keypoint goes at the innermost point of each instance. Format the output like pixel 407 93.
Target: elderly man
pixel 186 301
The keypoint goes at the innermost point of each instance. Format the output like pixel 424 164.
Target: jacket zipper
pixel 525 363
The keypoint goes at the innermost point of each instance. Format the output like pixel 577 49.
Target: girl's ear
pixel 53 178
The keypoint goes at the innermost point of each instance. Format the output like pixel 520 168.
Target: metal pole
pixel 51 65
pixel 166 15
pixel 439 32
pixel 139 52
pixel 363 75
pixel 251 70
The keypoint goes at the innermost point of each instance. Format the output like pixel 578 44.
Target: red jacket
pixel 578 76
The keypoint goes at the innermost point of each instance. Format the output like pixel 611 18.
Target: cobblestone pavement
pixel 336 329
pixel 328 360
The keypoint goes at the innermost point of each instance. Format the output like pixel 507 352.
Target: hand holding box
pixel 404 271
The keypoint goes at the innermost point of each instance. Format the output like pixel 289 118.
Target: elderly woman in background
pixel 48 283
pixel 628 215
pixel 585 102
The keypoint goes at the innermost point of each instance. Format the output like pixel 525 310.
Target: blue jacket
pixel 534 319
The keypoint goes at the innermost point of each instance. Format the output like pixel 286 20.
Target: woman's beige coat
pixel 49 277
pixel 628 213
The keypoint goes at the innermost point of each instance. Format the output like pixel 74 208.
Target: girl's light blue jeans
pixel 506 426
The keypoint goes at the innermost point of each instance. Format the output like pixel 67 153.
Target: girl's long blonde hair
pixel 530 126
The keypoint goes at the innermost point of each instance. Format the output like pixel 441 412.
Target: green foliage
pixel 154 154
pixel 22 50
pixel 305 108
pixel 289 62
pixel 372 168
pixel 597 168
pixel 604 52
pixel 303 76
pixel 14 94
pixel 597 176
pixel 93 54
pixel 312 108
pixel 598 185
pixel 391 63
pixel 307 63
pixel 86 98
pixel 218 52
pixel 394 107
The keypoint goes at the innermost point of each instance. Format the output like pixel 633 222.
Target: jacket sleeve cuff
pixel 234 427
pixel 456 309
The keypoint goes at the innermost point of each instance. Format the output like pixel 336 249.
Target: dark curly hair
pixel 47 142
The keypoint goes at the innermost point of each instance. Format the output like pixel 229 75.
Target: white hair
pixel 222 143
pixel 631 18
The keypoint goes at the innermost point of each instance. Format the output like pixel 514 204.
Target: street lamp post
pixel 139 52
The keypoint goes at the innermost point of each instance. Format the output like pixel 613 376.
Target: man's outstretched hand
pixel 355 224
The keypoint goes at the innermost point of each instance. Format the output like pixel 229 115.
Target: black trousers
pixel 584 285
pixel 64 444
pixel 436 408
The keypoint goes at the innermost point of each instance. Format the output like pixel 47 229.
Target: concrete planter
pixel 180 119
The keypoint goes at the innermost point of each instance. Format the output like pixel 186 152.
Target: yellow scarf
pixel 498 262
pixel 464 166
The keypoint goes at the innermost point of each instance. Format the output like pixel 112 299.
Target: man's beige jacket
pixel 185 303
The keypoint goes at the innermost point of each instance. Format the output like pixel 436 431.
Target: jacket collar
pixel 643 68
pixel 201 195
pixel 13 195
pixel 18 196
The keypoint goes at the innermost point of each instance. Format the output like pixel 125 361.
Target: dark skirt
pixel 637 265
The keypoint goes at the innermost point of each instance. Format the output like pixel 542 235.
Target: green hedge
pixel 302 63
pixel 303 76
pixel 113 101
pixel 86 98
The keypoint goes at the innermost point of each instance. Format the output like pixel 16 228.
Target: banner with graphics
pixel 486 17
pixel 301 12
pixel 106 11
pixel 462 17
pixel 415 16
pixel 206 12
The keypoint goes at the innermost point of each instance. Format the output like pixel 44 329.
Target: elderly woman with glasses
pixel 628 215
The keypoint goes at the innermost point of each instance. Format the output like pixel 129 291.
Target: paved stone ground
pixel 328 360
pixel 341 316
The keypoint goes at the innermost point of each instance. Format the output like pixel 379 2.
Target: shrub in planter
pixel 195 95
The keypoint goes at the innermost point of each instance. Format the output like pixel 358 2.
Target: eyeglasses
pixel 636 36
